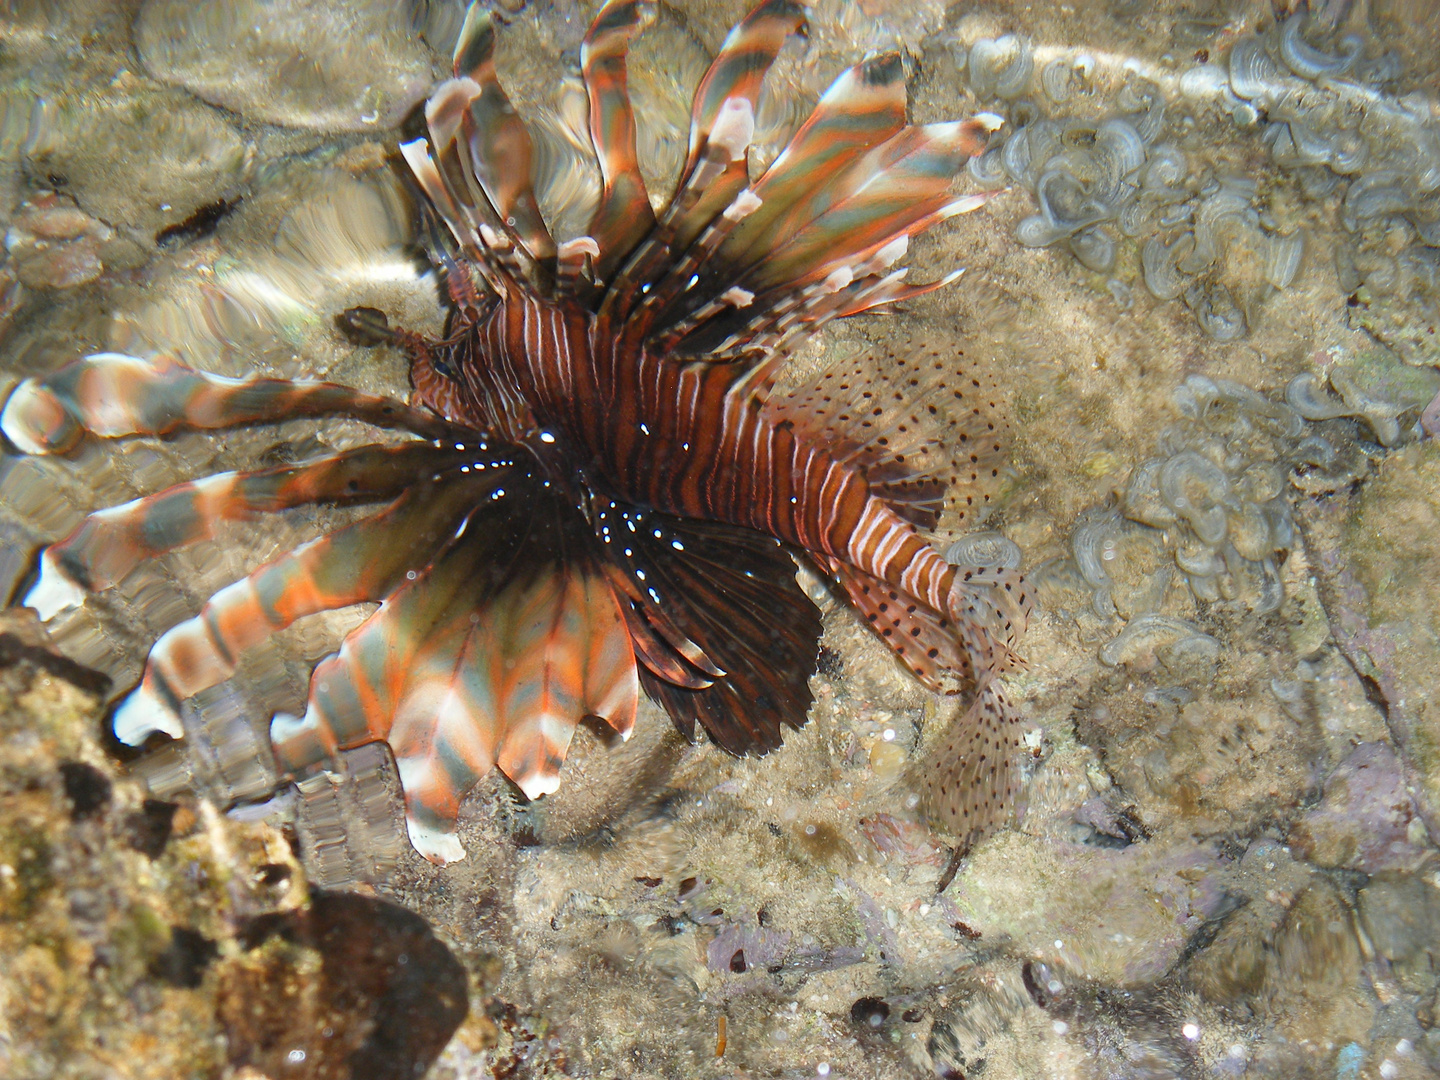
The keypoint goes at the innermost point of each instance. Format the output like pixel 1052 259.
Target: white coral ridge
pixel 142 714
pixel 53 592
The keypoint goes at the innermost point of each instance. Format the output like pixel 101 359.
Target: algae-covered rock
pixel 1392 542
pixel 139 938
pixel 1367 820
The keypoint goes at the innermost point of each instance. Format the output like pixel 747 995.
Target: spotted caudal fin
pixel 363 562
pixel 991 607
pixel 488 658
pixel 971 781
pixel 113 395
pixel 624 215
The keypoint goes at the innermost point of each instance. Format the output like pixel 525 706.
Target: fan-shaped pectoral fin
pixel 362 562
pixel 113 395
pixel 110 543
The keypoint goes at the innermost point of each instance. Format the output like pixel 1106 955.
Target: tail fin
pixel 971 782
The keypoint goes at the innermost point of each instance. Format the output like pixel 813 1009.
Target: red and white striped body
pixel 685 438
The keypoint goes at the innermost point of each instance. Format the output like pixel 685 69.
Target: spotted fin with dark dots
pixel 972 780
pixel 922 640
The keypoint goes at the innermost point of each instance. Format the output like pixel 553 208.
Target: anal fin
pixel 924 641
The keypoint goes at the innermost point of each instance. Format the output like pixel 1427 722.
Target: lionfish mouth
pixel 604 493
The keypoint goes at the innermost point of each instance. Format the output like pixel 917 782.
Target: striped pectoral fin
pixel 362 562
pixel 564 653
pixel 624 215
pixel 446 733
pixel 397 676
pixel 863 107
pixel 972 781
pixel 894 190
pixel 659 658
pixel 610 686
pixel 364 694
pixel 113 395
pixel 110 543
pixel 652 623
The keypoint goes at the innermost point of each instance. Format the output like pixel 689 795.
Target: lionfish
pixel 606 492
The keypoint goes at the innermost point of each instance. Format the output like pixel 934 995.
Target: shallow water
pixel 1226 486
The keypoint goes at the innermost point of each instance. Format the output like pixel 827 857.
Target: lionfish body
pixel 608 487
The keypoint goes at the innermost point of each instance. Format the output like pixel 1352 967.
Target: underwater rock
pixel 53 244
pixel 1117 915
pixel 110 936
pixel 1401 916
pixel 104 148
pixel 1375 387
pixel 296 65
pixel 611 779
pixel 351 986
pixel 1367 819
pixel 321 237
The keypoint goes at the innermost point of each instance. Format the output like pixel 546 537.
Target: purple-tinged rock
pixel 1367 819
